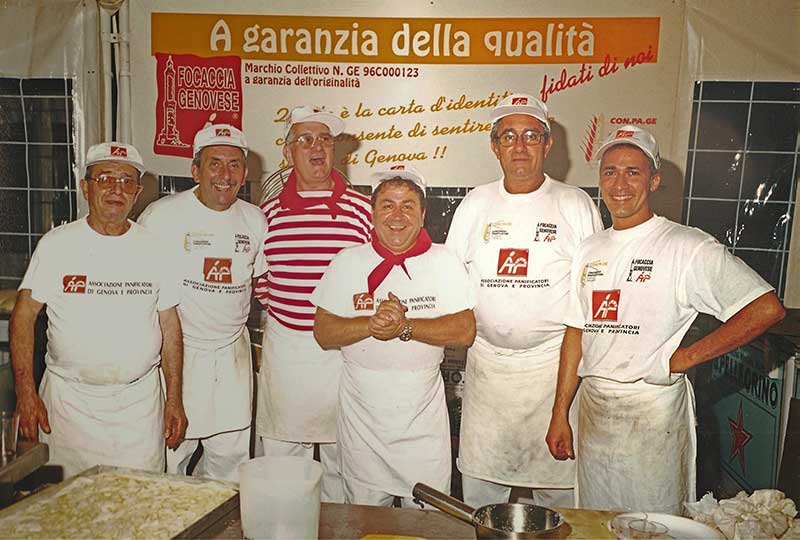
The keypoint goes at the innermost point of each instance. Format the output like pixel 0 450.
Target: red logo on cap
pixel 512 262
pixel 624 133
pixel 74 284
pixel 120 151
pixel 397 168
pixel 605 305
pixel 519 101
pixel 217 270
pixel 363 301
pixel 223 132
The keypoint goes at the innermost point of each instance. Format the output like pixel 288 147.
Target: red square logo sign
pixel 119 151
pixel 512 262
pixel 217 270
pixel 222 132
pixel 624 133
pixel 192 90
pixel 363 302
pixel 74 284
pixel 605 305
pixel 519 101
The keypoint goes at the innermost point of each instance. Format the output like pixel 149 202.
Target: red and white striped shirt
pixel 298 248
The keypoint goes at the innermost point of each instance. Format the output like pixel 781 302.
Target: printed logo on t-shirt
pixel 496 230
pixel 242 243
pixel 640 270
pixel 545 232
pixel 74 284
pixel 591 271
pixel 217 270
pixel 363 301
pixel 605 305
pixel 512 262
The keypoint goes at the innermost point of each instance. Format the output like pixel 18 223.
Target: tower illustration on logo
pixel 169 135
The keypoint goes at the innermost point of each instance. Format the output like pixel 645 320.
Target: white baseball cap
pixel 222 134
pixel 115 151
pixel 311 113
pixel 636 136
pixel 521 104
pixel 405 172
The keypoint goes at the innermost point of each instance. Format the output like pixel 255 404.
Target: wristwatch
pixel 405 333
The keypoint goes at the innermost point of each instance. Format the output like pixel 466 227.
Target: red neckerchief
pixel 291 200
pixel 390 260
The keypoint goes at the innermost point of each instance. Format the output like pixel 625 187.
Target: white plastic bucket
pixel 279 498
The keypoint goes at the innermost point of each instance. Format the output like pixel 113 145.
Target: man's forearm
pixel 454 329
pixel 568 380
pixel 334 332
pixel 172 352
pixel 21 330
pixel 747 324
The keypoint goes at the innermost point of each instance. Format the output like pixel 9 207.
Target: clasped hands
pixel 388 320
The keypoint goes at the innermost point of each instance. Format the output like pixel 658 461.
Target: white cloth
pixel 393 424
pixel 220 459
pixel 298 385
pixel 518 249
pixel 113 424
pixel 635 293
pixel 637 447
pixel 219 254
pixel 101 386
pixel 332 484
pixel 103 295
pixel 479 493
pixel 217 387
pixel 654 279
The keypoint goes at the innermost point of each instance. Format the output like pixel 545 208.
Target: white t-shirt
pixel 103 295
pixel 636 292
pixel 219 252
pixel 518 249
pixel 439 286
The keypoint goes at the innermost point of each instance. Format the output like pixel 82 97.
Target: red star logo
pixel 739 438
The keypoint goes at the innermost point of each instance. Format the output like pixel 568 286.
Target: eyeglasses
pixel 108 181
pixel 307 141
pixel 530 137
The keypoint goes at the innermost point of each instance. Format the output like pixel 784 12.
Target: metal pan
pixel 496 520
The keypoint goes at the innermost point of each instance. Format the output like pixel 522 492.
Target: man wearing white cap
pixel 391 306
pixel 314 217
pixel 635 290
pixel 517 237
pixel 110 293
pixel 219 239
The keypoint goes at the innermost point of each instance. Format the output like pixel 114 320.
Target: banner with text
pixel 411 89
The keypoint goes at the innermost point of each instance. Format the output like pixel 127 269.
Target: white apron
pixel 298 385
pixel 112 424
pixel 506 407
pixel 217 385
pixel 637 446
pixel 394 429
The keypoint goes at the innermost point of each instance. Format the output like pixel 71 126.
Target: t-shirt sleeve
pixel 458 236
pixel 573 314
pixel 37 277
pixel 719 283
pixel 456 291
pixel 588 220
pixel 169 291
pixel 330 292
pixel 260 263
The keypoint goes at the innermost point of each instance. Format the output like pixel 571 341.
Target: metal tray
pixel 227 509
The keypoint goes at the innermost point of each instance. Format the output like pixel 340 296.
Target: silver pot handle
pixel 445 503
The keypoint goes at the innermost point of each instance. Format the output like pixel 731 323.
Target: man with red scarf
pixel 391 307
pixel 310 221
